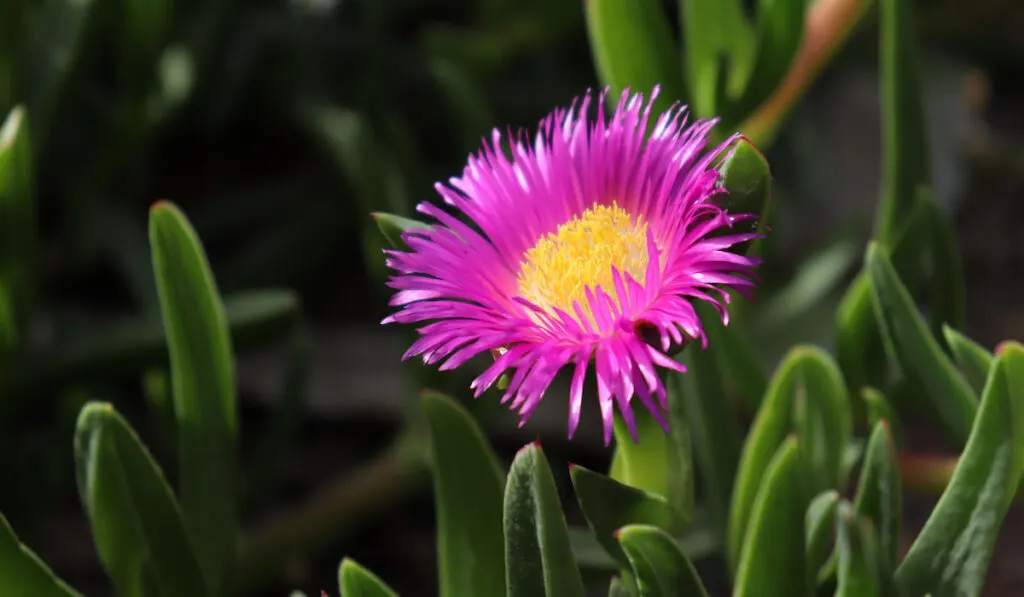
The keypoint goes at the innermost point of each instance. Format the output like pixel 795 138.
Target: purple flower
pixel 585 248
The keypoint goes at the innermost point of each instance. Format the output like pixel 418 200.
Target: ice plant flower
pixel 584 248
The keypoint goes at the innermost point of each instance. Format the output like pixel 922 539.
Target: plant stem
pixel 827 27
pixel 337 509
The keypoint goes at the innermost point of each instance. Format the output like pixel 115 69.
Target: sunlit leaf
pixel 950 555
pixel 203 387
pixel 538 556
pixel 468 492
pixel 661 569
pixel 22 571
pixel 136 523
pixel 632 47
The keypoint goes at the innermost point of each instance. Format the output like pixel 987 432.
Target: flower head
pixel 582 249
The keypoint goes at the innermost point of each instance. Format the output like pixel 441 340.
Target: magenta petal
pixel 458 280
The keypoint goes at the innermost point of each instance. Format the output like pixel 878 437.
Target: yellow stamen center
pixel 581 253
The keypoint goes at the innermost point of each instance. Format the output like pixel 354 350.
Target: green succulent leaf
pixel 633 48
pixel 659 464
pixel 618 588
pixel 859 573
pixel 918 353
pixel 720 46
pixel 22 570
pixel 660 567
pixel 538 555
pixel 699 399
pixel 879 409
pixel 747 179
pixel 773 561
pixel 906 164
pixel 820 526
pixel 856 333
pixel 974 361
pixel 609 505
pixel 879 495
pixel 392 227
pixel 806 394
pixel 950 555
pixel 136 523
pixel 596 563
pixel 468 493
pixel 203 388
pixel 356 581
pixel 942 266
pixel 17 228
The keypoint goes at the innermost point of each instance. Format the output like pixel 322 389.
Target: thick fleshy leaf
pixel 632 46
pixel 136 523
pixel 942 266
pixel 972 358
pixel 857 335
pixel 820 527
pixel 951 553
pixel 906 158
pixel 17 228
pixel 468 496
pixel 859 573
pixel 879 495
pixel 700 541
pixel 203 388
pixel 538 556
pixel 617 588
pixel 22 571
pixel 918 353
pixel 392 227
pixel 356 581
pixel 747 179
pixel 660 568
pixel 659 464
pixel 698 398
pixel 879 409
pixel 609 505
pixel 823 417
pixel 806 394
pixel 719 52
pixel 780 29
pixel 860 344
pixel 773 558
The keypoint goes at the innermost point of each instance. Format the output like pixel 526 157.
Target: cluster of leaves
pixel 776 504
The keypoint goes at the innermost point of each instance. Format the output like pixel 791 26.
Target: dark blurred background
pixel 279 125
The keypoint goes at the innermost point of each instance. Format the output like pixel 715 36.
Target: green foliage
pixel 22 570
pixel 661 569
pixel 807 397
pixel 356 581
pixel 802 503
pixel 203 389
pixel 538 556
pixel 950 556
pixel 17 229
pixel 468 490
pixel 633 48
pixel 136 522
